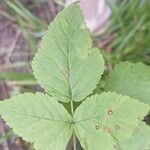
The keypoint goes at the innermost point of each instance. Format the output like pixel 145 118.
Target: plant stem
pixel 72 108
pixel 74 137
pixel 74 142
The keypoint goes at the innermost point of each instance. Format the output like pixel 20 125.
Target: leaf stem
pixel 74 137
pixel 72 108
pixel 74 142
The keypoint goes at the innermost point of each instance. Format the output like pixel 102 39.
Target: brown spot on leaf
pixel 97 127
pixel 110 111
pixel 117 127
pixel 107 130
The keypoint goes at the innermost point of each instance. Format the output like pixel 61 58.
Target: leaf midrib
pixel 68 58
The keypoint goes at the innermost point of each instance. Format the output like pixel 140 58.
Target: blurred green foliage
pixel 130 28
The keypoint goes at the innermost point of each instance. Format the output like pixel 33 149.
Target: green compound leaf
pixel 66 66
pixel 104 120
pixel 140 139
pixel 130 79
pixel 38 119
